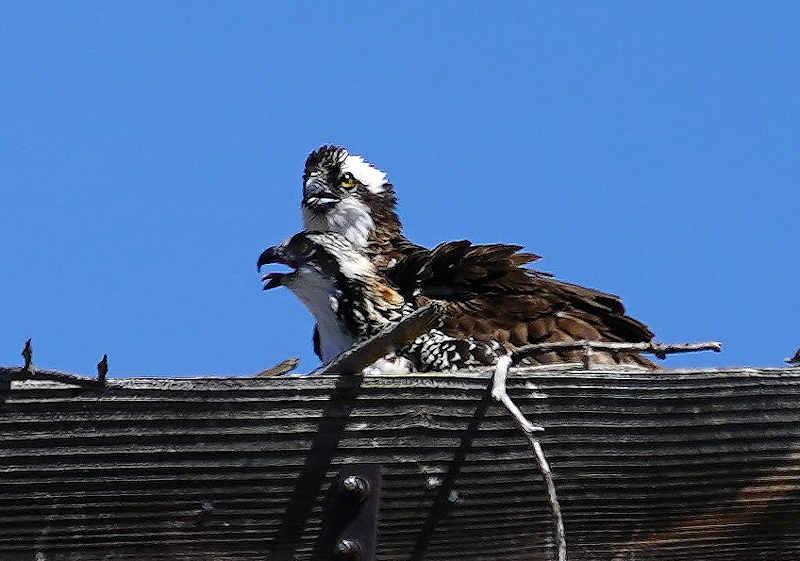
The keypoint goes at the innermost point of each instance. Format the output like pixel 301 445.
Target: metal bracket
pixel 350 517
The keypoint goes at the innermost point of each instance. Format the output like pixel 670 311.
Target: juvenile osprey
pixel 351 301
pixel 491 295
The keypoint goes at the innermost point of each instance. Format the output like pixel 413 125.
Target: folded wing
pixel 491 294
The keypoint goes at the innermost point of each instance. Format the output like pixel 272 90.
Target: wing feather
pixel 492 295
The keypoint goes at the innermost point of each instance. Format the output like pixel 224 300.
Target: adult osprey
pixel 491 295
pixel 352 301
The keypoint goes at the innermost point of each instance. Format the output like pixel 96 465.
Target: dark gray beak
pixel 317 196
pixel 274 254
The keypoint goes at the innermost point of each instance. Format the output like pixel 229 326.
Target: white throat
pixel 321 298
pixel 350 217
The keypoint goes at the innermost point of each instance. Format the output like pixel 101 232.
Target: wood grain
pixel 648 465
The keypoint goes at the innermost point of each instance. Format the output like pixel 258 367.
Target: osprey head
pixel 338 284
pixel 344 193
pixel 317 259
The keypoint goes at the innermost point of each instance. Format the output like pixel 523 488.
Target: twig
pixel 17 373
pixel 661 350
pixel 27 354
pixel 279 369
pixel 361 355
pixel 499 393
pixel 552 498
pixel 102 369
pixel 528 428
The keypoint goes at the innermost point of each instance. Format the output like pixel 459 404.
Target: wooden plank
pixel 648 465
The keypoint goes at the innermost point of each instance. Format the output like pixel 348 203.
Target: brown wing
pixel 491 295
pixel 456 270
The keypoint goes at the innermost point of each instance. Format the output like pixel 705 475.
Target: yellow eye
pixel 348 181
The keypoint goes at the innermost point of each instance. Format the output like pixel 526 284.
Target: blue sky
pixel 150 151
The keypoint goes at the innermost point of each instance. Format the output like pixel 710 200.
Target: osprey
pixel 344 193
pixel 491 295
pixel 352 301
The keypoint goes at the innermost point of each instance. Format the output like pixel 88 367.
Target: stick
pixel 500 394
pixel 361 355
pixel 661 350
pixel 102 369
pixel 279 369
pixel 552 498
pixel 16 373
pixel 27 354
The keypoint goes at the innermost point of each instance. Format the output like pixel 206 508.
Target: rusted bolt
pixel 204 516
pixel 355 486
pixel 453 496
pixel 348 549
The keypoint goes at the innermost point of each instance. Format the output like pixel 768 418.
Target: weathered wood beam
pixel 689 464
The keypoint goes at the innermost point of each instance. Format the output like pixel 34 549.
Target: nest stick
pixel 361 355
pixel 499 393
pixel 17 373
pixel 658 349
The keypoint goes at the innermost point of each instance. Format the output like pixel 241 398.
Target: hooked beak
pixel 318 197
pixel 274 254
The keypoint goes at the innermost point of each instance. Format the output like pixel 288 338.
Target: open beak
pixel 318 197
pixel 274 254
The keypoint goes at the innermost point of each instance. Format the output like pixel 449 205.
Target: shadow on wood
pixel 318 464
pixel 648 465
